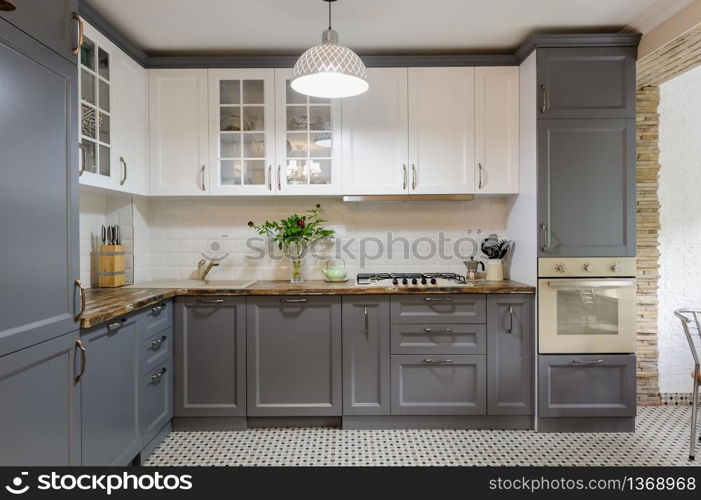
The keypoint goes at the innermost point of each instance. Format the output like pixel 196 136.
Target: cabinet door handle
pixel 156 377
pixel 445 330
pixel 365 314
pixel 546 237
pixel 202 186
pixel 156 344
pixel 405 177
pixel 124 166
pixel 511 320
pixel 413 176
pixel 479 184
pixel 279 179
pixel 214 301
pixel 438 299
pixel 270 177
pixel 82 160
pixel 293 301
pixel 82 299
pixel 158 309
pixel 81 35
pixel 593 362
pixel 83 360
pixel 430 361
pixel 546 99
pixel 116 324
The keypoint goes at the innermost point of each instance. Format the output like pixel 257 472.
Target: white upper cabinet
pixel 178 139
pixel 130 123
pixel 308 141
pixel 241 131
pixel 441 130
pixel 497 130
pixel 375 130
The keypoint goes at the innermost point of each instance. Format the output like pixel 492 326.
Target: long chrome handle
pixel 511 320
pixel 479 184
pixel 546 99
pixel 82 160
pixel 270 177
pixel 82 299
pixel 413 176
pixel 405 177
pixel 279 179
pixel 593 362
pixel 430 361
pixel 214 301
pixel 158 309
pixel 124 165
pixel 365 313
pixel 202 186
pixel 546 237
pixel 116 324
pixel 604 283
pixel 436 299
pixel 156 344
pixel 81 35
pixel 83 360
pixel 156 377
pixel 445 330
pixel 292 301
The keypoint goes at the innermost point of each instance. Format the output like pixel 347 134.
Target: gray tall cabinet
pixel 38 179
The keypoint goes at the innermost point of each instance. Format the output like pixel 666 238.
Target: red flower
pixel 300 222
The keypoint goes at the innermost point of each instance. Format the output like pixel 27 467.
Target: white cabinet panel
pixel 179 152
pixel 497 130
pixel 441 130
pixel 375 135
pixel 241 131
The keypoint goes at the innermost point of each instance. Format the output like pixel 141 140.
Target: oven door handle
pixel 606 283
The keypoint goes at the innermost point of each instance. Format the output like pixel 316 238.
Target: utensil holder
pixel 495 270
pixel 111 263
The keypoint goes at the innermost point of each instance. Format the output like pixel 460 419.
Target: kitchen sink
pixel 205 284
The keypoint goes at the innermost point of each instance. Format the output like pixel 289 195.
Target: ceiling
pixel 287 27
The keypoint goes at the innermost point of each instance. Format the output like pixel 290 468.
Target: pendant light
pixel 330 69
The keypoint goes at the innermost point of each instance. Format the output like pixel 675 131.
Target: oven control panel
pixel 555 267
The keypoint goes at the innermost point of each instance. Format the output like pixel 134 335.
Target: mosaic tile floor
pixel 661 438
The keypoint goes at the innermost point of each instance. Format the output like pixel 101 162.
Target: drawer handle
pixel 116 324
pixel 292 301
pixel 215 301
pixel 445 330
pixel 158 309
pixel 156 344
pixel 156 377
pixel 83 360
pixel 593 362
pixel 430 361
pixel 435 299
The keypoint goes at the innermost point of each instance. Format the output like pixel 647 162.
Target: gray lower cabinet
pixel 439 385
pixel 586 188
pixel 441 338
pixel 591 385
pixel 510 354
pixel 156 400
pixel 110 394
pixel 210 357
pixel 366 338
pixel 439 308
pixel 294 356
pixel 40 416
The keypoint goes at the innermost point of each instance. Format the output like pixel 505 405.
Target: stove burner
pixel 409 278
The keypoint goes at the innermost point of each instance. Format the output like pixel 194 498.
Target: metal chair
pixel 686 315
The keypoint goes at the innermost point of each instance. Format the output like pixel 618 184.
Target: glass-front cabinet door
pixel 94 64
pixel 308 141
pixel 242 131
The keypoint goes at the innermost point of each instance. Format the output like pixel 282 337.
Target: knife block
pixel 111 266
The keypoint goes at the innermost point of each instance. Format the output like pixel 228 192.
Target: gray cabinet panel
pixel 210 357
pixel 443 338
pixel 156 400
pixel 366 333
pixel 155 319
pixel 420 387
pixel 586 385
pixel 38 192
pixel 40 417
pixel 438 308
pixel 110 394
pixel 155 350
pixel 586 82
pixel 586 188
pixel 49 21
pixel 510 366
pixel 294 356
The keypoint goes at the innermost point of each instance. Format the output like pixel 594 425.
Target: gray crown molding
pixel 576 40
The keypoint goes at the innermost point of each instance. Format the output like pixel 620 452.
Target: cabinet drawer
pixel 438 385
pixel 155 350
pixel 156 400
pixel 439 308
pixel 443 338
pixel 155 319
pixel 587 386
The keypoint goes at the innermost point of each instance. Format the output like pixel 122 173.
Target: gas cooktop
pixel 411 279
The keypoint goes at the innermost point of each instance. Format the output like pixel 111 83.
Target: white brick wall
pixel 680 220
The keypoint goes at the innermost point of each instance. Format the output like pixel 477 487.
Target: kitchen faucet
pixel 203 268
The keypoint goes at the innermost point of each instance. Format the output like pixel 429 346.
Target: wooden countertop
pixel 105 304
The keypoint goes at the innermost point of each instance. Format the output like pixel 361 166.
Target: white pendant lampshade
pixel 329 70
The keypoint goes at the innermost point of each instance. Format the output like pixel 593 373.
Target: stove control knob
pixel 615 267
pixel 395 281
pixel 405 281
pixel 587 267
pixel 423 281
pixel 560 267
pixel 414 281
pixel 433 281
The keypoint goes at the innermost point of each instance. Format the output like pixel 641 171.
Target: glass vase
pixel 296 251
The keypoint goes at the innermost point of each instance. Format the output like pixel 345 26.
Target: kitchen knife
pixel 118 235
pixel 104 235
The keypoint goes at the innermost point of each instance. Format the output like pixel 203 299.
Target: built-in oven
pixel 586 305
